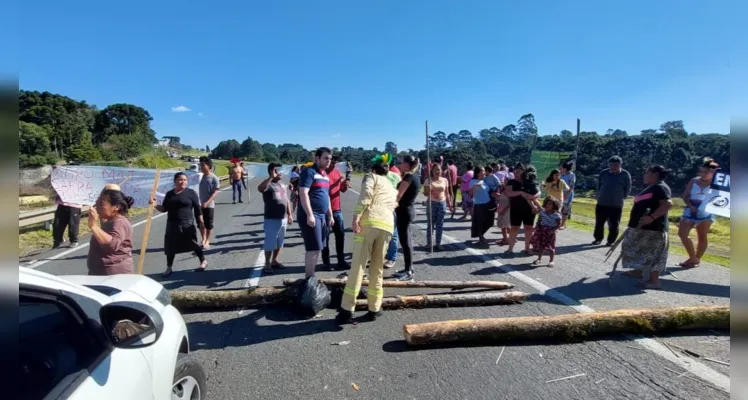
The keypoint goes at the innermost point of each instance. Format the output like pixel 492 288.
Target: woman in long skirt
pixel 482 214
pixel 644 248
pixel 182 208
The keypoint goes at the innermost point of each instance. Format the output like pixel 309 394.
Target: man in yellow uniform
pixel 372 228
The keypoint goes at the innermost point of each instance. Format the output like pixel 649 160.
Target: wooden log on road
pixel 418 284
pixel 448 300
pixel 185 300
pixel 569 327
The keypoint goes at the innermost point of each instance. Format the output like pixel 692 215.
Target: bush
pixel 36 160
pixel 157 161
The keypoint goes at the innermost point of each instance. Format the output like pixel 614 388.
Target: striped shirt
pixel 552 220
pixel 318 184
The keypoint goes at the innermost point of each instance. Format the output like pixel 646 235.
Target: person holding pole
pixel 182 208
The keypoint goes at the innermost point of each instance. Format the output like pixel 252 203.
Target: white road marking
pixel 703 371
pixel 80 247
pixel 254 274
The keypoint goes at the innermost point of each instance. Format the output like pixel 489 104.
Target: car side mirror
pixel 131 325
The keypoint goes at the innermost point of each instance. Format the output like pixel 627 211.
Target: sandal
pixel 536 262
pixel 202 266
pixel 277 265
pixel 551 264
pixel 688 265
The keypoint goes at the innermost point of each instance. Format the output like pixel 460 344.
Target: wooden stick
pixel 207 299
pixel 210 299
pixel 448 300
pixel 570 326
pixel 149 219
pixel 416 284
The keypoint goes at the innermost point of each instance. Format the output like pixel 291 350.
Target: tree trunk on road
pixel 418 284
pixel 185 300
pixel 448 300
pixel 206 299
pixel 569 327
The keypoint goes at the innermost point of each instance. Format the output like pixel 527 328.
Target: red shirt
pixel 336 181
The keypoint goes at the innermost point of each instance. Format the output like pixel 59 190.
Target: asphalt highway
pixel 271 353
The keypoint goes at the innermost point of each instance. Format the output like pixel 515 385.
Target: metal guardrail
pixel 47 215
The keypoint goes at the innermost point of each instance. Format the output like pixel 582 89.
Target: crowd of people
pixel 511 197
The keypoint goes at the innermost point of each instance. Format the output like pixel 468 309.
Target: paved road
pixel 270 353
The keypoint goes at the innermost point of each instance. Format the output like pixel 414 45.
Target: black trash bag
pixel 313 297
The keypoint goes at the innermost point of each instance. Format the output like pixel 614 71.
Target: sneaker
pixel 73 244
pixel 343 266
pixel 597 242
pixel 403 276
pixel 343 317
pixel 372 316
pixel 389 264
pixel 609 244
pixel 437 247
pixel 56 246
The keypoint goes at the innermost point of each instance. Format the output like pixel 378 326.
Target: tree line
pixel 670 145
pixel 53 127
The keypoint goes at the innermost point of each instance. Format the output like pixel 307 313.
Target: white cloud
pixel 180 109
pixel 337 135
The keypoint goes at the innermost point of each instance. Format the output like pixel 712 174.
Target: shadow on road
pixel 248 330
pixel 624 286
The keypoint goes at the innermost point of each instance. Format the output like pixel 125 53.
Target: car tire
pixel 189 382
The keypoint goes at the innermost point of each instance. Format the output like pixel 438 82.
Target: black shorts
pixel 208 214
pixel 521 216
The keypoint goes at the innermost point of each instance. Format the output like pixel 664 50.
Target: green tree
pixel 251 149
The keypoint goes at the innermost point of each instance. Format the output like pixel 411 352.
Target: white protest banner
pixel 82 184
pixel 720 203
pixel 342 167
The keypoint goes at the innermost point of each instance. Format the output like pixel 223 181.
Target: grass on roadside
pixel 583 218
pixel 30 240
pixel 719 233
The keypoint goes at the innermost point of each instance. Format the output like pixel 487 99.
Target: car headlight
pixel 164 297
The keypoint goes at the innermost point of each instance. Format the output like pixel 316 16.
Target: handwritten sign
pixel 720 203
pixel 82 184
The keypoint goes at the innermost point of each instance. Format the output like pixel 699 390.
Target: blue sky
pixel 361 73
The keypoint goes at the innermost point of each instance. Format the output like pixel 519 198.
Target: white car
pixel 103 337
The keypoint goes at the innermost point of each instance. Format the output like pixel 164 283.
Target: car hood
pixel 114 285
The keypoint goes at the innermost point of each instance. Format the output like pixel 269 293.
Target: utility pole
pixel 428 200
